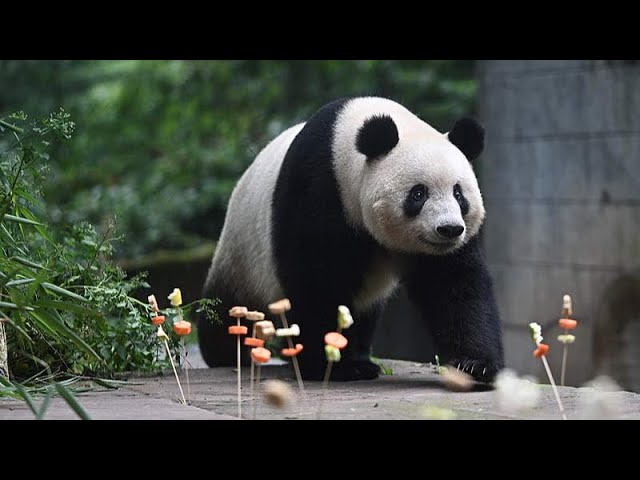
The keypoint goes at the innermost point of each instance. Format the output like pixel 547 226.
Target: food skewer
pixel 540 352
pixel 334 342
pixel 164 337
pixel 279 308
pixel 238 330
pixel 566 338
pixel 181 328
pixel 263 331
pixel 158 320
pixel 252 341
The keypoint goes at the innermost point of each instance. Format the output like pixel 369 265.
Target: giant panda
pixel 341 210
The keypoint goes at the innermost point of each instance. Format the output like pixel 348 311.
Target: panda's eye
pixel 457 192
pixel 415 200
pixel 419 193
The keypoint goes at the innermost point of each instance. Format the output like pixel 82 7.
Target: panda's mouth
pixel 442 246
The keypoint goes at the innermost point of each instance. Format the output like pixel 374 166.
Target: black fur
pixel 458 194
pixel 413 204
pixel 468 136
pixel 217 347
pixel 377 136
pixel 321 263
pixel 454 294
pixel 320 259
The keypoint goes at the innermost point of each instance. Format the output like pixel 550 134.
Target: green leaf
pixel 26 262
pixel 54 323
pixel 17 283
pixel 13 306
pixel 41 320
pixel 37 281
pixel 40 227
pixel 69 307
pixel 11 127
pixel 43 407
pixel 27 398
pixel 106 383
pixel 13 218
pixel 72 402
pixel 15 325
pixel 63 291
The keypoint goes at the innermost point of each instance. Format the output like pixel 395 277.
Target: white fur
pixel 248 261
pixel 373 192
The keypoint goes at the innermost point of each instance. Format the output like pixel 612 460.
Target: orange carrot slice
pixel 182 327
pixel 253 342
pixel 336 339
pixel 260 355
pixel 567 323
pixel 292 352
pixel 158 320
pixel 542 349
pixel 238 330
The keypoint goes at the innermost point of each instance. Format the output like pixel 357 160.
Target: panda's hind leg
pixel 217 347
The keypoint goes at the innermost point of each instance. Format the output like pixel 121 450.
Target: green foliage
pixel 15 390
pixel 67 307
pixel 162 143
pixel 383 368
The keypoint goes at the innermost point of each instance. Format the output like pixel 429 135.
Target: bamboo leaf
pixel 41 320
pixel 37 281
pixel 72 402
pixel 13 306
pixel 11 127
pixel 63 291
pixel 15 325
pixel 61 329
pixel 39 226
pixel 17 283
pixel 43 407
pixel 68 307
pixel 13 218
pixel 104 383
pixel 27 398
pixel 26 262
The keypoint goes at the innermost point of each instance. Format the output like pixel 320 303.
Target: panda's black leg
pixel 315 324
pixel 356 362
pixel 454 294
pixel 217 347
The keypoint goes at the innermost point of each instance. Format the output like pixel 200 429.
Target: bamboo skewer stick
pixel 335 342
pixel 238 330
pixel 566 323
pixel 540 352
pixel 162 335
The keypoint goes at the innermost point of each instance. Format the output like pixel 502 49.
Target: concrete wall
pixel 561 182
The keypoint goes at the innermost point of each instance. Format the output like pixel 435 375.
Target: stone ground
pixel 414 391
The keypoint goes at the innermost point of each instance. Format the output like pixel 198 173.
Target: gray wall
pixel 561 182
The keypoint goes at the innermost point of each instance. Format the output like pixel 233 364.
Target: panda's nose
pixel 450 231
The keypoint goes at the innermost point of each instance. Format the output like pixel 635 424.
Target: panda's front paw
pixel 481 370
pixel 354 370
pixel 344 371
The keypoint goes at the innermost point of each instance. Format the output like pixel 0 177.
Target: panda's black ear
pixel 468 136
pixel 377 136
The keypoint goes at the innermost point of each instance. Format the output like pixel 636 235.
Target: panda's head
pixel 419 193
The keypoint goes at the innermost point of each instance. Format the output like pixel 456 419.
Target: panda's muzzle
pixel 440 245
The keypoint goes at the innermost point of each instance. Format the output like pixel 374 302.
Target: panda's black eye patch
pixel 415 200
pixel 460 198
